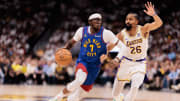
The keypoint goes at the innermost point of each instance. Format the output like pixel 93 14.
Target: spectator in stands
pixel 49 70
pixel 39 73
pixel 31 67
pixel 62 76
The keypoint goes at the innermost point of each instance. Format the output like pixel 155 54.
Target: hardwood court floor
pixel 43 93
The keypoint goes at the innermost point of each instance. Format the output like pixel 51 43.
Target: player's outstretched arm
pixel 70 44
pixel 157 20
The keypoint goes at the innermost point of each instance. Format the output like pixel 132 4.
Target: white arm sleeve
pixel 122 49
pixel 109 37
pixel 78 34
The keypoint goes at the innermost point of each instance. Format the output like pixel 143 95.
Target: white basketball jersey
pixel 137 45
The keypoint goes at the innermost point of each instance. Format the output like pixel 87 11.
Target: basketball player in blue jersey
pixel 93 45
pixel 133 64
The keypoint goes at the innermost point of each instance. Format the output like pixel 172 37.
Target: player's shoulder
pixel 121 33
pixel 144 27
pixel 81 28
pixel 140 26
pixel 107 31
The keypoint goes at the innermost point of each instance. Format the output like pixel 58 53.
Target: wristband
pixel 154 14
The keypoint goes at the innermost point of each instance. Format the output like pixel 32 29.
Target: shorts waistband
pixel 139 60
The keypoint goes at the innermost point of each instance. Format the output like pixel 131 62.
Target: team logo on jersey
pixel 92 45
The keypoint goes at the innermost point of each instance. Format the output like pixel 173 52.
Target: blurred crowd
pixel 22 24
pixel 163 74
pixel 33 71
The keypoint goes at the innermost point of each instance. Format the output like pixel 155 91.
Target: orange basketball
pixel 63 57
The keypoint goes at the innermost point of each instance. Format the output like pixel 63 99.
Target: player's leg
pixel 121 79
pixel 81 75
pixel 117 89
pixel 136 81
pixel 93 71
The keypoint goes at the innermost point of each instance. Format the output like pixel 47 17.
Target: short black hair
pixel 135 15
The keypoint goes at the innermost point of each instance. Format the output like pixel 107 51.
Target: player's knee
pixel 136 83
pixel 81 77
pixel 80 80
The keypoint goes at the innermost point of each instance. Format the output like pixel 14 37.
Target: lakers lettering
pixel 130 43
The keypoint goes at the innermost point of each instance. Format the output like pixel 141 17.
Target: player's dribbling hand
pixel 149 9
pixel 103 58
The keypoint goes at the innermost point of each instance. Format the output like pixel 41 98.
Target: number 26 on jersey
pixel 136 50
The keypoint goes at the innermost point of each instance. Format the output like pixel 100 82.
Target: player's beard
pixel 128 27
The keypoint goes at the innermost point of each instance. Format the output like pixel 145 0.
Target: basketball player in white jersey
pixel 93 45
pixel 133 64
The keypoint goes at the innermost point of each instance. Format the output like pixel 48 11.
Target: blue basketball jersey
pixel 92 46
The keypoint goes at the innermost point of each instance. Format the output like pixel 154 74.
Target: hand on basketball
pixel 149 9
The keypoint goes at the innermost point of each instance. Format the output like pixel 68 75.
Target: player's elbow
pixel 160 23
pixel 157 24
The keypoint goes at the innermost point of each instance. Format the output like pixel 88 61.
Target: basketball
pixel 63 57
